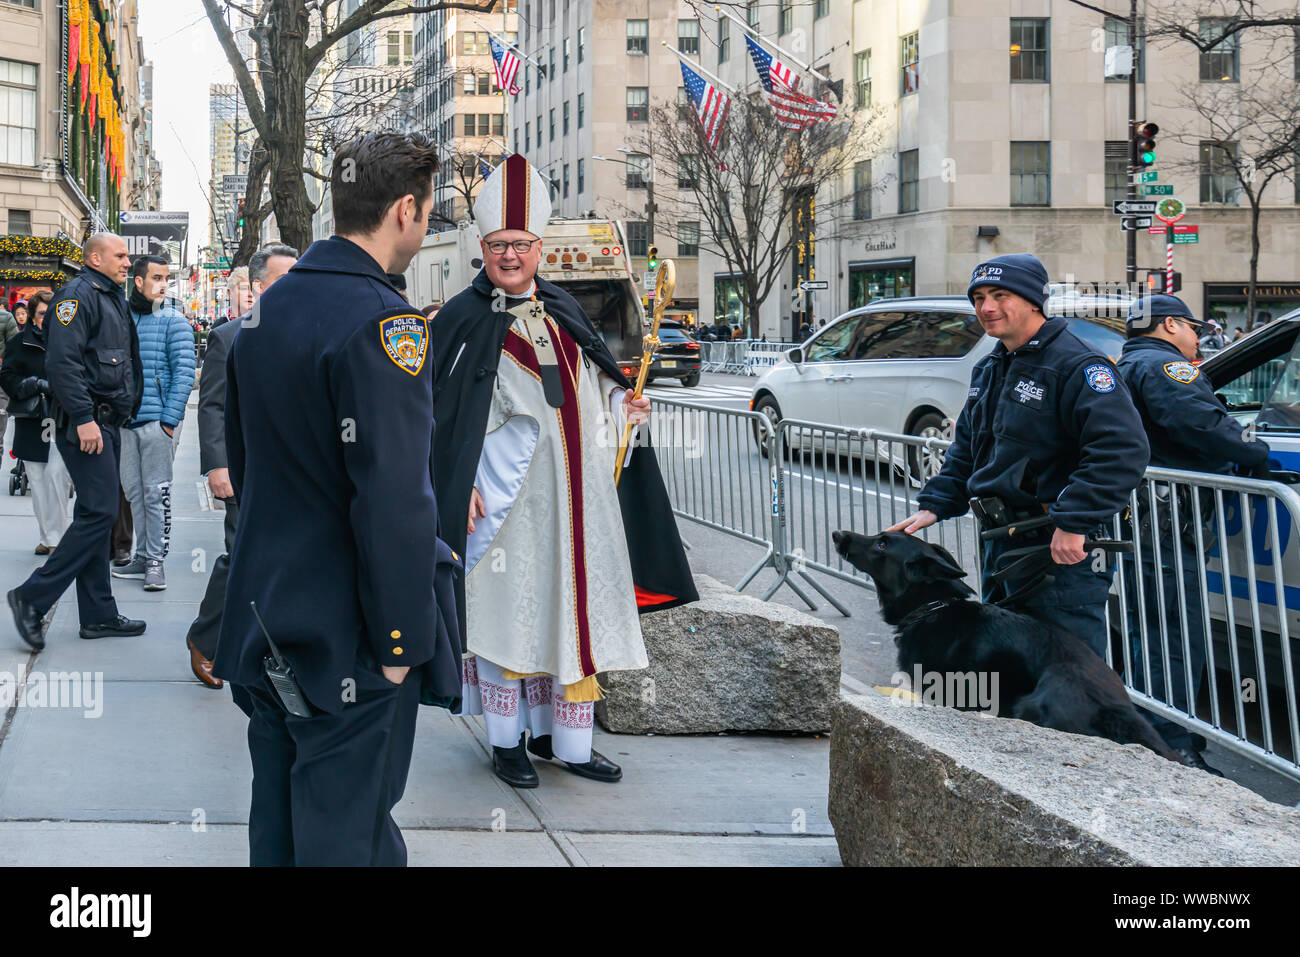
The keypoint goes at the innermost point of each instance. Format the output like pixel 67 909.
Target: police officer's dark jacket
pixel 1050 424
pixel 1185 422
pixel 329 431
pixel 92 352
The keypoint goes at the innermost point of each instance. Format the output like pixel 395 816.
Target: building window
pixel 909 57
pixel 582 179
pixel 637 166
pixel 566 55
pixel 20 222
pixel 1117 36
pixel 1221 62
pixel 862 79
pixel 1218 172
pixel 638 37
pixel 822 8
pixel 909 174
pixel 862 189
pixel 469 83
pixel 515 139
pixel 527 83
pixel 17 113
pixel 786 23
pixel 1117 157
pixel 552 126
pixel 638 238
pixel 471 125
pixel 684 109
pixel 1029 49
pixel 581 110
pixel 724 39
pixel 688 171
pixel 566 180
pixel 638 104
pixel 1031 173
pixel 582 46
pixel 688 238
pixel 484 84
pixel 566 117
pixel 527 138
pixel 550 71
pixel 688 36
pixel 498 124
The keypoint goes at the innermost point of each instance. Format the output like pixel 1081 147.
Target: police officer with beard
pixel 1048 429
pixel 1188 429
pixel 93 366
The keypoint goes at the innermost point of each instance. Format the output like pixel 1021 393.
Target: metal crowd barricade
pixel 831 478
pixel 1213 606
pixel 1205 600
pixel 714 471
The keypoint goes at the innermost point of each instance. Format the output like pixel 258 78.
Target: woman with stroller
pixel 22 376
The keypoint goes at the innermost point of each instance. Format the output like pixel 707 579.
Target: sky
pixel 186 58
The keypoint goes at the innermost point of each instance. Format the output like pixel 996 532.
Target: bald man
pixel 93 366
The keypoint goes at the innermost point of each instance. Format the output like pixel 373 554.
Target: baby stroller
pixel 17 476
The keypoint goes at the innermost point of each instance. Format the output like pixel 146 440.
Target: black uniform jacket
pixel 468 337
pixel 1187 425
pixel 92 351
pixel 329 429
pixel 24 360
pixel 1050 424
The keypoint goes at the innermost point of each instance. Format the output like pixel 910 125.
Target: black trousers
pixel 207 625
pixel 324 787
pixel 83 552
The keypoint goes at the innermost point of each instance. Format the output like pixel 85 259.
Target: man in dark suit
pixel 329 426
pixel 264 268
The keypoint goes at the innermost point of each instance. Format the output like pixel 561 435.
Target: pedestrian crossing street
pixel 700 392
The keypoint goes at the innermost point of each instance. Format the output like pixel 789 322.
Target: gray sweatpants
pixel 147 453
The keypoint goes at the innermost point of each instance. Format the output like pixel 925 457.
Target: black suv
pixel 678 356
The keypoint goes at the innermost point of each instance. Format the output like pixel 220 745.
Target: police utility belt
pixel 102 414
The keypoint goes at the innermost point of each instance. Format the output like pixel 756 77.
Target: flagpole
pixel 697 68
pixel 807 68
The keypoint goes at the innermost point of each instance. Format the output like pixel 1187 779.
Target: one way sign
pixel 1133 207
pixel 1132 224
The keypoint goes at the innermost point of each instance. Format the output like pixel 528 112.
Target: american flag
pixel 793 110
pixel 507 66
pixel 710 103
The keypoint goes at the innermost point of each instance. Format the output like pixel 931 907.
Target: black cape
pixel 467 339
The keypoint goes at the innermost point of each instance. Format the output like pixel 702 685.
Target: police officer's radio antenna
pixel 279 658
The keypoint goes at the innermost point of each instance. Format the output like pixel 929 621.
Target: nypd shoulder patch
pixel 1100 378
pixel 66 310
pixel 406 341
pixel 1183 372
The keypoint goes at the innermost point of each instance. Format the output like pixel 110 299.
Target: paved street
pixel 161 776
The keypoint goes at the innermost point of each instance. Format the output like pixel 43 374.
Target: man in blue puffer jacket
pixel 149 444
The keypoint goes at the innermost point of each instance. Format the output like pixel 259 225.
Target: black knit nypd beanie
pixel 1021 273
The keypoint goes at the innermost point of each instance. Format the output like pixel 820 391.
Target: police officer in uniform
pixel 1048 428
pixel 93 366
pixel 329 435
pixel 1188 429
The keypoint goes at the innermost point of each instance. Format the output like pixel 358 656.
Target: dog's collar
pixel 925 611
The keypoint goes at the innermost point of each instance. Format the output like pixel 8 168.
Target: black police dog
pixel 1045 675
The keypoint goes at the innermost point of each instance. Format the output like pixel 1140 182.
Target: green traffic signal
pixel 652 261
pixel 1148 158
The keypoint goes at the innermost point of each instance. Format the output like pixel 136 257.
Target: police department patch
pixel 1100 378
pixel 406 340
pixel 66 310
pixel 1183 372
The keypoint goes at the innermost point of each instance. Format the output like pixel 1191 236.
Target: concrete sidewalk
pixel 162 775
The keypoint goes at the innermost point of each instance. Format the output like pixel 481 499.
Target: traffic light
pixel 1145 141
pixel 1156 281
pixel 239 217
pixel 653 262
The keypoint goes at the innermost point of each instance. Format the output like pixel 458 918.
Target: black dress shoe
pixel 1192 758
pixel 119 627
pixel 31 628
pixel 598 768
pixel 512 766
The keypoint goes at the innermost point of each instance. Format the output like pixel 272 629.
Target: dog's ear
pixel 933 562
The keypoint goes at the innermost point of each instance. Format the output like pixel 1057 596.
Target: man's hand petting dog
pixel 1067 547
